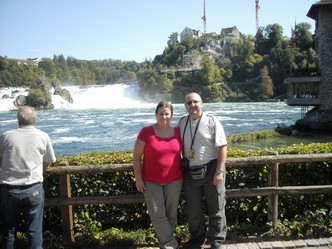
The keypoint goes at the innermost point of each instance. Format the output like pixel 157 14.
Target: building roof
pixel 228 30
pixel 312 13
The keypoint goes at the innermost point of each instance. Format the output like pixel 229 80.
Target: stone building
pixel 230 35
pixel 188 32
pixel 315 90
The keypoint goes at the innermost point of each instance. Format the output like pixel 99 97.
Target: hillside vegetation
pixel 254 70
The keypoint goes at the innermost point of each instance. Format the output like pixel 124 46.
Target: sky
pixel 129 30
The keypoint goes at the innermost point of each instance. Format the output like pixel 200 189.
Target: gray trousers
pixel 198 193
pixel 162 203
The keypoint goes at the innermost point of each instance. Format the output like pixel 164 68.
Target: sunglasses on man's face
pixel 193 102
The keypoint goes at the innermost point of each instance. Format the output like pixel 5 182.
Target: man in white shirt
pixel 25 153
pixel 205 148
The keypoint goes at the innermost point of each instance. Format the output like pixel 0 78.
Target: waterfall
pixel 84 97
pixel 101 97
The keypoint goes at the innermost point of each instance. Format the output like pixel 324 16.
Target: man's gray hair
pixel 26 116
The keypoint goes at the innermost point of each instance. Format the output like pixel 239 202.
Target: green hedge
pixel 246 216
pixel 249 136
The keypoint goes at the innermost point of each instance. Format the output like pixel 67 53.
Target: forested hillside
pixel 255 70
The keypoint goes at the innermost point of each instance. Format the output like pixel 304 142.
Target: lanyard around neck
pixel 184 131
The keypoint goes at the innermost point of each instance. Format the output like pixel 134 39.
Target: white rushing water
pixel 85 97
pixel 108 118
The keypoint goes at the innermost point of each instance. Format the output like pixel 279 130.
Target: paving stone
pixel 242 246
pixel 300 243
pixel 289 244
pixel 265 245
pixel 277 244
pixel 323 242
pixel 330 240
pixel 252 246
pixel 232 246
pixel 312 243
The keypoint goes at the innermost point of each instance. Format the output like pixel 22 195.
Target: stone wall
pixel 320 118
pixel 324 39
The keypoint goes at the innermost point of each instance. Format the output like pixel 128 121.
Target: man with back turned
pixel 204 151
pixel 25 153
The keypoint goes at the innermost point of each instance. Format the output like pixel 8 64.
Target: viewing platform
pixel 303 91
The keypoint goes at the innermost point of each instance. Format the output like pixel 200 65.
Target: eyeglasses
pixel 193 102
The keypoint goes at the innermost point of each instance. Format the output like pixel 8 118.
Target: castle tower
pixel 321 12
pixel 316 90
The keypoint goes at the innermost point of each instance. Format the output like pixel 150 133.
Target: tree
pixel 48 66
pixel 191 43
pixel 165 86
pixel 303 36
pixel 210 72
pixel 212 93
pixel 274 33
pixel 147 80
pixel 175 56
pixel 245 62
pixel 173 39
pixel 260 41
pixel 265 90
pixel 268 38
pixel 279 63
pixel 39 98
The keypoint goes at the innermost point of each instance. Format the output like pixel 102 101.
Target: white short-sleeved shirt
pixel 209 137
pixel 23 151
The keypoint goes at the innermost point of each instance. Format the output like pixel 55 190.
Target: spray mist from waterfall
pixel 101 97
pixel 84 97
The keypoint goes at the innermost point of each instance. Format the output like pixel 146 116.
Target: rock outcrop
pixel 316 119
pixel 65 94
pixel 21 100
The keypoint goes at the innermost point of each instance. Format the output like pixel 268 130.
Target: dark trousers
pixel 28 201
pixel 199 193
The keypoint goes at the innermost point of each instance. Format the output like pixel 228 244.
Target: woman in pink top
pixel 158 173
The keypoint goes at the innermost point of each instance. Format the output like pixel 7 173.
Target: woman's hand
pixel 140 186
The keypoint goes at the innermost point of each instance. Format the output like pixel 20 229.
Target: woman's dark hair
pixel 164 104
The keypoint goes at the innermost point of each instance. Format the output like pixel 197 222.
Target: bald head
pixel 193 95
pixel 26 116
pixel 193 104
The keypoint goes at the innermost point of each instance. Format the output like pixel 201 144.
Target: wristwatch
pixel 219 171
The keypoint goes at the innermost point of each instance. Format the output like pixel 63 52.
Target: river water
pixel 108 118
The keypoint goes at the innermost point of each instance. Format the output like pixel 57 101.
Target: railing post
pixel 273 181
pixel 66 210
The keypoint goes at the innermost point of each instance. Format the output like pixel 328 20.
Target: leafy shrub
pixel 39 98
pixel 249 136
pixel 299 215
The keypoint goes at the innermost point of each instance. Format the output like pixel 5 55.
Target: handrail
pixel 243 161
pixel 66 201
